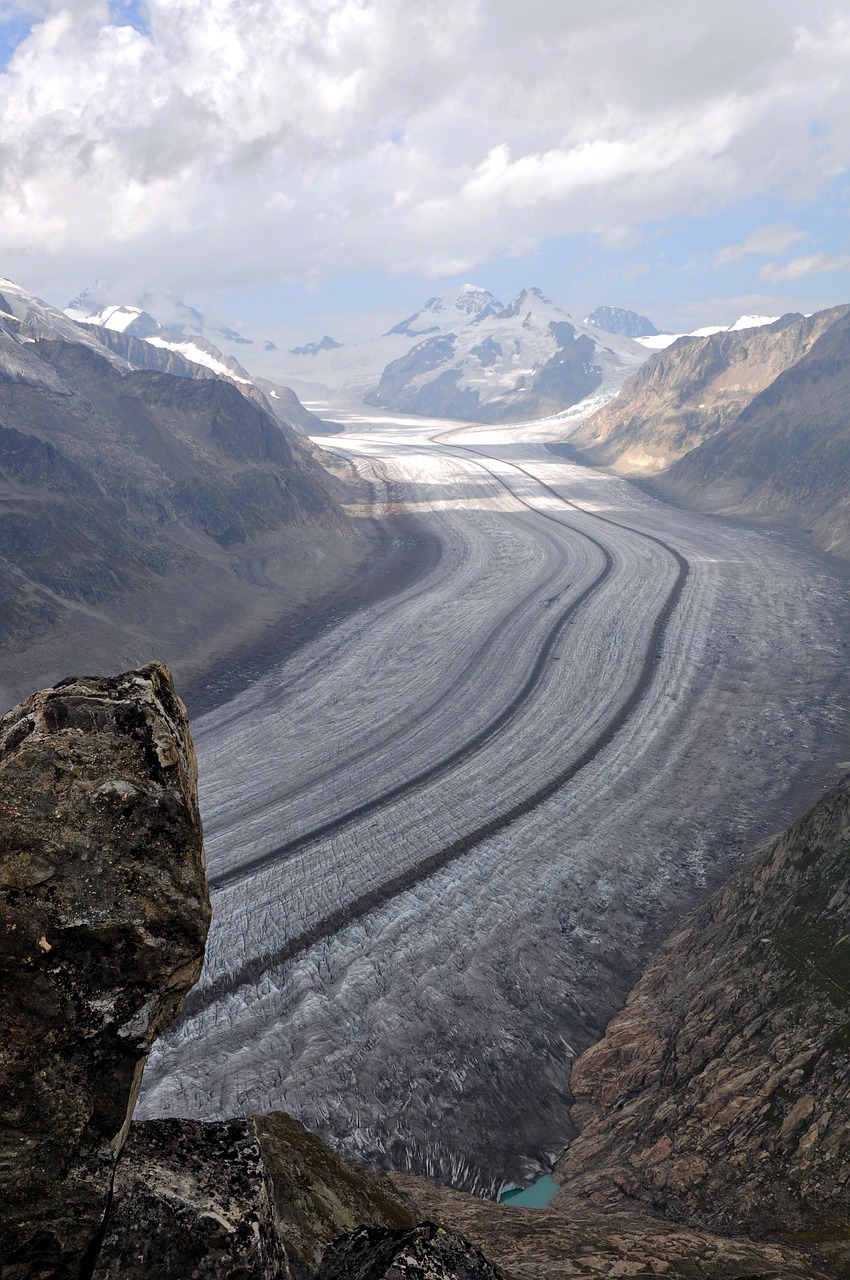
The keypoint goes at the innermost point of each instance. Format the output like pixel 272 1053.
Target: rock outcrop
pixel 720 1095
pixel 105 911
pixel 258 1198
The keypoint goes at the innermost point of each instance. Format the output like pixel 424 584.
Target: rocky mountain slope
pixel 786 457
pixel 720 1096
pixel 185 351
pixel 751 422
pixel 145 513
pixel 714 1114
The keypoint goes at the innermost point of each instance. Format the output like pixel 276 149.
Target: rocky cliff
pixel 720 1096
pixel 104 909
pixel 751 422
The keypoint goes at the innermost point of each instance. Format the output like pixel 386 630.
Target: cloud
pixel 621 238
pixel 235 141
pixel 809 264
pixel 774 240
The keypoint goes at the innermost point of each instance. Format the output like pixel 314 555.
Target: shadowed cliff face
pixel 145 512
pixel 104 909
pixel 721 1094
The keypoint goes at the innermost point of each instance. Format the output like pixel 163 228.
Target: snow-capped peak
pixel 530 299
pixel 445 311
pixel 137 323
pixel 36 318
pixel 120 319
pixel 752 322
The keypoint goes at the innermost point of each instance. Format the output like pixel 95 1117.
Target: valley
pixel 444 834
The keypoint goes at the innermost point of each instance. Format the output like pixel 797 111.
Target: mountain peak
pixel 467 304
pixel 529 299
pixel 313 348
pixel 628 324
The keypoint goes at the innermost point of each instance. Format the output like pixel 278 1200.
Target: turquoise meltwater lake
pixel 534 1197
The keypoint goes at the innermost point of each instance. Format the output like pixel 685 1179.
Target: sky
pixel 296 167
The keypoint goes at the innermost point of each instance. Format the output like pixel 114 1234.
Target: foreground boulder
pixel 190 1200
pixel 104 911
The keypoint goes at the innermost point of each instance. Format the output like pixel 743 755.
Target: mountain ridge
pixel 743 422
pixel 146 510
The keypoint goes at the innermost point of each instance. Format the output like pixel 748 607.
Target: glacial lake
pixel 534 1197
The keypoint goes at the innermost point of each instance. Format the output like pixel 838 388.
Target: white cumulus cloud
pixel 230 141
pixel 809 264
pixel 773 240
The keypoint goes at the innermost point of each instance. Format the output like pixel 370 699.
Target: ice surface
pixel 422 1010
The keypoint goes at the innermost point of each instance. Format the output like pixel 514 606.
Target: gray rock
pixel 191 1202
pixel 254 1198
pixel 428 1252
pixel 104 911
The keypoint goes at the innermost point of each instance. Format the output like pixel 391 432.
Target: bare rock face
pixel 104 911
pixel 427 1251
pixel 256 1198
pixel 317 1197
pixel 721 1094
pixel 190 1202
